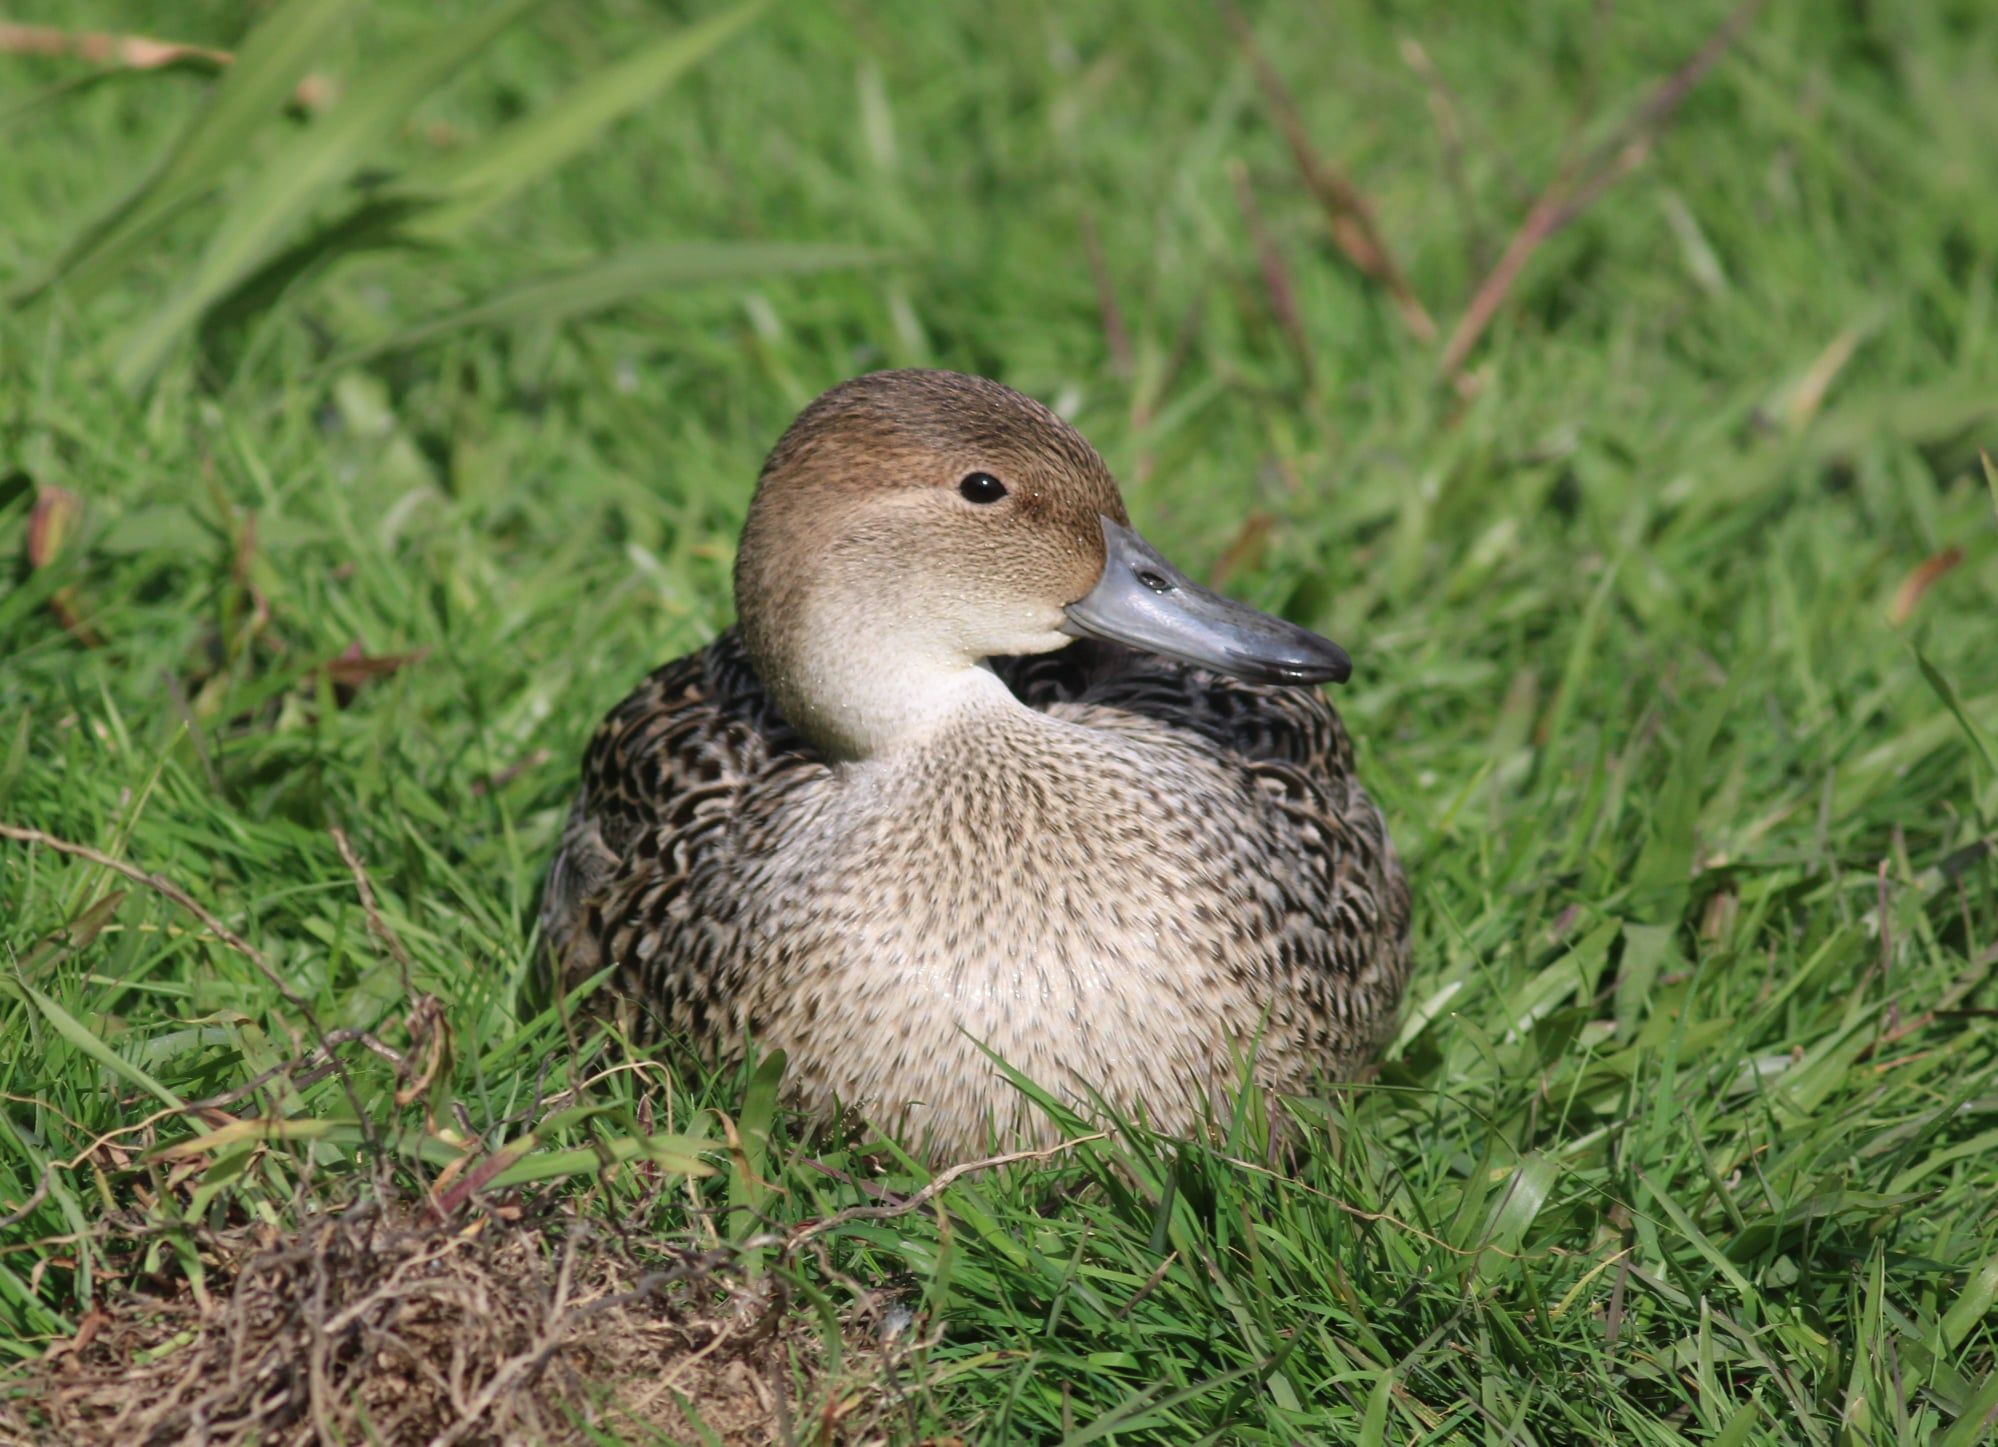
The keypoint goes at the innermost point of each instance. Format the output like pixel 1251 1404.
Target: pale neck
pixel 856 705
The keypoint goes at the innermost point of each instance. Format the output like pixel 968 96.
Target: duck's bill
pixel 1144 601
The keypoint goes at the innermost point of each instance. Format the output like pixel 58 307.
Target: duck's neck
pixel 854 705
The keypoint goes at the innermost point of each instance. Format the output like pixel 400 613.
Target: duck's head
pixel 911 525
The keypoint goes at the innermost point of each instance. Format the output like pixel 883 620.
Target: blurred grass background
pixel 360 444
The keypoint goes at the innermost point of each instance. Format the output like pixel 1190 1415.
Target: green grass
pixel 1692 1133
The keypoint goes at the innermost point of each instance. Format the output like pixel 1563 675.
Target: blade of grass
pixel 759 1113
pixel 1735 1432
pixel 749 1186
pixel 259 1128
pixel 1945 691
pixel 680 1154
pixel 1373 1426
pixel 483 176
pixel 85 1039
pixel 268 67
pixel 620 278
pixel 1978 1418
pixel 1513 1216
pixel 290 183
pixel 1698 1239
pixel 1661 880
pixel 1979 1293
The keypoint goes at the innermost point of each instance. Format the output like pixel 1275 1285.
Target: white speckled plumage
pixel 1117 871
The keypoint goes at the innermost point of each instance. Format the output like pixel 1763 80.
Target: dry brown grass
pixel 378 1324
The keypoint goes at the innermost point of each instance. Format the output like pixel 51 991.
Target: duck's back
pixel 1157 870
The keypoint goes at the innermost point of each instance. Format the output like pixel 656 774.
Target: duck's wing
pixel 677 754
pixel 1255 722
pixel 1350 900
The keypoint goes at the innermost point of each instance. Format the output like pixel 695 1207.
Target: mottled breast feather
pixel 1171 869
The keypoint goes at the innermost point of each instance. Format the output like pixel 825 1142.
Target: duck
pixel 978 780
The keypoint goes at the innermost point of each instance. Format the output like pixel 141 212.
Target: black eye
pixel 982 487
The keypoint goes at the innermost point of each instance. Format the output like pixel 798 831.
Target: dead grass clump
pixel 373 1324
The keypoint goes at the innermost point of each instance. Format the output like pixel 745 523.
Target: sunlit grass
pixel 1673 628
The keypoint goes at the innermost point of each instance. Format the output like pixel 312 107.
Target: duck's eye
pixel 982 487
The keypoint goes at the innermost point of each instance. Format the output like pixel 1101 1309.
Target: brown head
pixel 910 525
